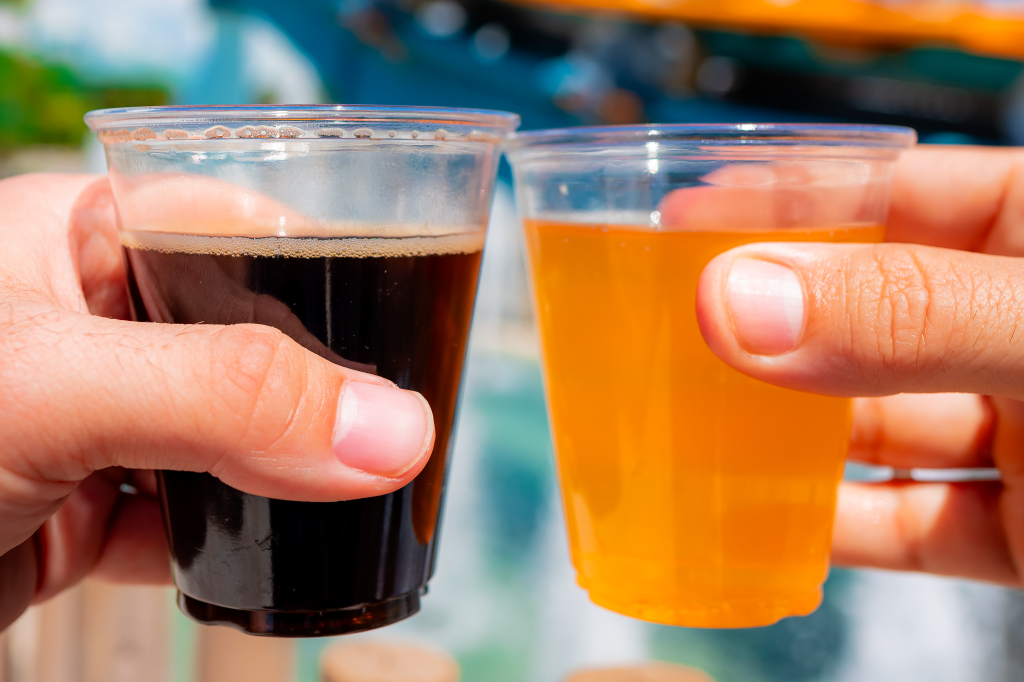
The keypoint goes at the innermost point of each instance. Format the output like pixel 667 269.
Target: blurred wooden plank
pixel 127 633
pixel 5 675
pixel 385 661
pixel 226 655
pixel 646 672
pixel 58 649
pixel 22 643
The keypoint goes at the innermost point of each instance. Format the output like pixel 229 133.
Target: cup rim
pixel 105 119
pixel 879 137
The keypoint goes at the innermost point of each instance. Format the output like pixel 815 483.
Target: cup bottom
pixel 712 612
pixel 304 623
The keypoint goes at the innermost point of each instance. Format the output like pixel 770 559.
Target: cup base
pixel 711 612
pixel 303 623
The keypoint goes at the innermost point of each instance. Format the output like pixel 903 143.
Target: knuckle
pixel 902 308
pixel 260 376
pixel 244 355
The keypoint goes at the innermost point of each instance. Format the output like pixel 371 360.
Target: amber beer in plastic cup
pixel 694 495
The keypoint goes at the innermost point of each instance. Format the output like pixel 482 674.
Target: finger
pixel 942 528
pixel 18 577
pixel 36 262
pixel 159 278
pixel 135 548
pixel 70 541
pixel 936 431
pixel 752 197
pixel 243 402
pixel 103 532
pixel 968 198
pixel 195 204
pixel 866 320
pixel 97 253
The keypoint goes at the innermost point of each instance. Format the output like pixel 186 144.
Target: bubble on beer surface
pixel 217 132
pixel 258 132
pixel 481 136
pixel 306 247
pixel 111 136
pixel 441 134
pixel 363 133
pixel 381 661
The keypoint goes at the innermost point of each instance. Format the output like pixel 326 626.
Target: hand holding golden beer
pixel 694 495
pixel 938 311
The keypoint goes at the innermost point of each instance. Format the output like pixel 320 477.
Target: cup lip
pixel 106 119
pixel 711 135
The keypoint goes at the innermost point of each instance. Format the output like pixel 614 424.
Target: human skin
pixel 90 401
pixel 930 327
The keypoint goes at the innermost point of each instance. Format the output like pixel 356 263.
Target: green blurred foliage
pixel 44 103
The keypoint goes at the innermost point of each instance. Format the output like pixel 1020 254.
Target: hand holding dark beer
pixel 90 402
pixel 939 314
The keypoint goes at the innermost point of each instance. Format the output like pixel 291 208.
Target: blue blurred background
pixel 504 601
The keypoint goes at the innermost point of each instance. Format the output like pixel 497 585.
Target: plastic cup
pixel 694 495
pixel 355 230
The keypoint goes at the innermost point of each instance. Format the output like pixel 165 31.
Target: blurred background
pixel 504 601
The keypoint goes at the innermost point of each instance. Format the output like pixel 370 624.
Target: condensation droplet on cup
pixel 481 136
pixel 363 133
pixel 391 133
pixel 217 132
pixel 440 134
pixel 290 131
pixel 143 134
pixel 171 134
pixel 331 132
pixel 414 134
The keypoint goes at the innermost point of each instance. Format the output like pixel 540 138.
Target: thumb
pixel 864 320
pixel 243 402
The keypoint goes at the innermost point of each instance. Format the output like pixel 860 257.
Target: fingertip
pixel 712 316
pixel 381 430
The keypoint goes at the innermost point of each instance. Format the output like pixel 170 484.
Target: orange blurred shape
pixel 647 672
pixel 375 661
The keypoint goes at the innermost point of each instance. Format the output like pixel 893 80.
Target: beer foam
pixel 306 247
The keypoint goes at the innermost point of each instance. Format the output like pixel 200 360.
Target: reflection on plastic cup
pixel 357 231
pixel 694 495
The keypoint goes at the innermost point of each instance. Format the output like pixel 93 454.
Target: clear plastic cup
pixel 694 495
pixel 355 230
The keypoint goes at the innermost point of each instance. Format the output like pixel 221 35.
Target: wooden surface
pixel 127 633
pixel 94 632
pixel 226 655
pixel 380 661
pixel 648 672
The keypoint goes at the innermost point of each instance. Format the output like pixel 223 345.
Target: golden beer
pixel 694 495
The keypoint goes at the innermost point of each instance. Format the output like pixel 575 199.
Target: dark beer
pixel 398 307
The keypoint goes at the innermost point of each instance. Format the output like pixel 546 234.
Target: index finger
pixel 967 198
